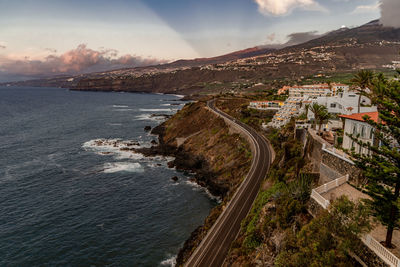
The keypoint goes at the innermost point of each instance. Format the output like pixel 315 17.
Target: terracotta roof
pixel 359 116
pixel 268 101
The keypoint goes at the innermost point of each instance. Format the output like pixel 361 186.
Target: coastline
pixel 219 166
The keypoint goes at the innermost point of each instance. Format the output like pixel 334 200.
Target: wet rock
pixel 147 128
pixel 153 142
pixel 171 164
pixel 175 178
pixel 166 116
pixel 132 143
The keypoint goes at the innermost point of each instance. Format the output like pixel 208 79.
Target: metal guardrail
pixel 382 252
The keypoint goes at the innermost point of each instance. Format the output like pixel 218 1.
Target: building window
pixel 333 105
pixel 354 129
pixel 363 131
pixel 371 134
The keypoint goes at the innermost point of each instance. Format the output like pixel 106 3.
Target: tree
pixel 317 109
pixel 361 81
pixel 382 165
pixel 323 117
pixel 307 106
pixel 329 238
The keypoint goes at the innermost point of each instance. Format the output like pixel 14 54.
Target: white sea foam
pixel 149 117
pixel 169 262
pixel 197 187
pixel 112 147
pixel 120 106
pixel 166 105
pixel 128 155
pixel 114 124
pixel 158 109
pixel 123 109
pixel 180 96
pixel 114 167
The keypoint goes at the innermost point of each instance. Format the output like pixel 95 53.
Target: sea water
pixel 66 201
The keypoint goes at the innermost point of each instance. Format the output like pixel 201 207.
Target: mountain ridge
pixel 370 46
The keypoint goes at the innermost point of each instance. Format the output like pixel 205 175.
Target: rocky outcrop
pixel 219 158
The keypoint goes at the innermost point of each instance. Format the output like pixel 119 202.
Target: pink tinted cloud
pixel 79 60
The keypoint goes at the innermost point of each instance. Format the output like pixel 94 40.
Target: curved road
pixel 215 245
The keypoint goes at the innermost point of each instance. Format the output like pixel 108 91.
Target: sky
pixel 50 37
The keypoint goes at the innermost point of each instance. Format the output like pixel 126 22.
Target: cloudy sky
pixel 41 37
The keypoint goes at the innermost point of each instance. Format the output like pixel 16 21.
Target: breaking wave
pixel 120 106
pixel 196 186
pixel 169 262
pixel 158 109
pixel 149 117
pixel 122 167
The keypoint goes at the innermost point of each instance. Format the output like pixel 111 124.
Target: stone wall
pixel 342 167
pixel 328 174
pixel 368 257
pixel 313 151
pixel 327 164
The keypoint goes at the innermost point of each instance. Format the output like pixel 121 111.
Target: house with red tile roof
pixel 356 125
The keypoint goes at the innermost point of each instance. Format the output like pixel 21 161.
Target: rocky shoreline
pixel 184 161
pixel 200 143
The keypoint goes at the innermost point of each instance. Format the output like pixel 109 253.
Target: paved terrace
pixel 379 231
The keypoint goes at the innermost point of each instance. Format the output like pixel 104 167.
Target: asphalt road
pixel 214 247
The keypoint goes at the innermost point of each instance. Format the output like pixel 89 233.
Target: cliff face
pixel 201 142
pixel 226 156
pixel 185 81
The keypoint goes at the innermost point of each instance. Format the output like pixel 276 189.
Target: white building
pixel 292 107
pixel 343 103
pixel 315 90
pixel 355 124
pixel 339 88
pixel 266 105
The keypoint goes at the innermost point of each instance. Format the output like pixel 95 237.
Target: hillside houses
pixel 267 105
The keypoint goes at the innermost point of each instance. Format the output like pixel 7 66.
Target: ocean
pixel 65 200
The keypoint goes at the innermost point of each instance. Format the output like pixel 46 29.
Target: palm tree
pixel 361 81
pixel 323 117
pixel 316 109
pixel 307 106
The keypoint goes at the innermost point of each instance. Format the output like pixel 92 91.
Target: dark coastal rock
pixel 175 178
pixel 126 149
pixel 147 128
pixel 132 143
pixel 153 142
pixel 171 164
pixel 166 116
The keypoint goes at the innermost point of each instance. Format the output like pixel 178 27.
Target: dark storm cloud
pixel 293 39
pixel 390 13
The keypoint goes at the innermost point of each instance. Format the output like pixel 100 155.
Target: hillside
pixel 370 46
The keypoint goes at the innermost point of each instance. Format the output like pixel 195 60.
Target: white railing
pixel 337 153
pixel 316 192
pixel 368 240
pixel 320 199
pixel 381 251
